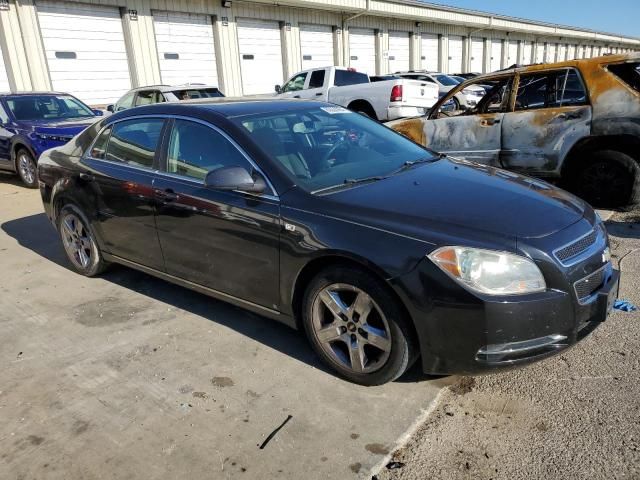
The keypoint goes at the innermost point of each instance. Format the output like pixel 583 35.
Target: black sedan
pixel 381 250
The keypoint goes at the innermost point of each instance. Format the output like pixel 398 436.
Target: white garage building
pixel 98 49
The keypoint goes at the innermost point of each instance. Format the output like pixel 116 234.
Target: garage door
pixel 85 50
pixel 580 51
pixel 398 51
pixel 527 53
pixel 540 53
pixel 455 54
pixel 362 50
pixel 185 48
pixel 551 52
pixel 260 56
pixel 562 52
pixel 571 52
pixel 316 46
pixel 476 62
pixel 430 52
pixel 4 78
pixel 496 55
pixel 512 53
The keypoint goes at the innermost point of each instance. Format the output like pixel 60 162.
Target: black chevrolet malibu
pixel 380 250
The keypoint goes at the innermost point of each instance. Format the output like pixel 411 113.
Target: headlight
pixel 468 91
pixel 489 271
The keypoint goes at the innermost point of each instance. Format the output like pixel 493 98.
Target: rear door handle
pixel 296 96
pixel 319 94
pixel 167 195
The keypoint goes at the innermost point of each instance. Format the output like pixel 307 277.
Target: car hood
pixel 422 201
pixel 59 127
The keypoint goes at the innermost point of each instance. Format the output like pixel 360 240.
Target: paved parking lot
pixel 126 376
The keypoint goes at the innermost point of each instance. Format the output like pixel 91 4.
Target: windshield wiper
pixel 349 182
pixel 411 163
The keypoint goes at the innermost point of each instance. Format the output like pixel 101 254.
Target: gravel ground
pixel 576 415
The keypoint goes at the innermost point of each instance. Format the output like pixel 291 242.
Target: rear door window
pixel 349 77
pixel 550 90
pixel 629 73
pixel 147 97
pixel 317 79
pixel 134 142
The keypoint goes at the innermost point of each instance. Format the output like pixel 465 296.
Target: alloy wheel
pixel 27 168
pixel 351 328
pixel 77 241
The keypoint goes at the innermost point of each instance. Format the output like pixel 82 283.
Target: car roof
pixel 228 107
pixel 172 88
pixel 29 94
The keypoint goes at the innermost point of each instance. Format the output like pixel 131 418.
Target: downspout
pixel 344 25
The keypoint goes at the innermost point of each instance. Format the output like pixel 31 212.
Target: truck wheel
pixel 26 168
pixel 609 179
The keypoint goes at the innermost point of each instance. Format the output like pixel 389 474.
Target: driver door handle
pixel 485 122
pixel 167 195
pixel 296 96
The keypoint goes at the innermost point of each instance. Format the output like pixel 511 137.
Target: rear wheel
pixel 357 327
pixel 609 179
pixel 79 242
pixel 26 168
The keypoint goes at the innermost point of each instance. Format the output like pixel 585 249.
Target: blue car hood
pixel 59 127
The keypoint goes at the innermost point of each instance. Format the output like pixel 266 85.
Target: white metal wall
pixel 551 53
pixel 527 52
pixel 186 48
pixel 430 51
pixel 316 46
pixel 4 78
pixel 398 51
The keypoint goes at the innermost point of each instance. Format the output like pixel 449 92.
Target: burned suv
pixel 575 122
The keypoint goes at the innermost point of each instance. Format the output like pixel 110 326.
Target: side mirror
pixel 234 178
pixel 110 108
pixel 278 89
pixel 98 113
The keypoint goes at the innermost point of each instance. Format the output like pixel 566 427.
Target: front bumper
pixel 460 332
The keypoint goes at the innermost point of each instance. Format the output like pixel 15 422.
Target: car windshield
pixel 47 107
pixel 328 147
pixel 446 80
pixel 190 93
pixel 458 79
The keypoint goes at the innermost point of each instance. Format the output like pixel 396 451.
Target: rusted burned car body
pixel 577 121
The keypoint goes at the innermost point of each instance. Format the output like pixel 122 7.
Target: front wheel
pixel 26 168
pixel 609 179
pixel 79 242
pixel 357 327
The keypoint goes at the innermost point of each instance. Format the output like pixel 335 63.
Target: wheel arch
pixel 331 259
pixel 627 144
pixel 363 106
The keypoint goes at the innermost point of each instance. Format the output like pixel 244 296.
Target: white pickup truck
pixel 381 100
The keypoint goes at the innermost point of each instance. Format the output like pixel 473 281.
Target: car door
pixel 473 134
pixel 314 85
pixel 120 169
pixel 551 113
pixel 224 240
pixel 294 87
pixel 5 139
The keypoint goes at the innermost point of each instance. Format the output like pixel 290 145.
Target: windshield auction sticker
pixel 332 110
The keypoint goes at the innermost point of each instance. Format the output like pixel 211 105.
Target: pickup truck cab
pixel 575 122
pixel 383 100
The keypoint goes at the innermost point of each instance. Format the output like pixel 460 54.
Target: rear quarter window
pixel 629 73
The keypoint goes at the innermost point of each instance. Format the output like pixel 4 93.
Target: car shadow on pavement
pixel 624 229
pixel 37 234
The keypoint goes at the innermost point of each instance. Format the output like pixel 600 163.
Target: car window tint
pixel 125 102
pixel 134 142
pixel 317 79
pixel 4 118
pixel 99 148
pixel 550 90
pixel 349 77
pixel 628 72
pixel 187 94
pixel 195 150
pixel 146 97
pixel 296 83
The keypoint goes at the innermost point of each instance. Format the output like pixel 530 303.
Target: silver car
pixel 164 93
pixel 467 98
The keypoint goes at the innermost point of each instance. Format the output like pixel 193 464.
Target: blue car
pixel 31 123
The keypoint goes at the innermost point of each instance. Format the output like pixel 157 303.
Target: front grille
pixel 586 286
pixel 574 249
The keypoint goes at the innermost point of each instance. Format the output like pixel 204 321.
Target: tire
pixel 26 168
pixel 79 242
pixel 377 327
pixel 456 104
pixel 608 179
